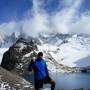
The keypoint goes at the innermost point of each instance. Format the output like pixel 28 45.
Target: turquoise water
pixel 68 81
pixel 72 80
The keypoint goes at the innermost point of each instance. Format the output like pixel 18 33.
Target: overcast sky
pixel 34 16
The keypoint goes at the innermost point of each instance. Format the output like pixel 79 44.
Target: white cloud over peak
pixel 35 25
pixel 58 22
pixel 82 25
pixel 65 20
pixel 9 28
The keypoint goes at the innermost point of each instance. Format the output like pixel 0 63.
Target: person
pixel 41 74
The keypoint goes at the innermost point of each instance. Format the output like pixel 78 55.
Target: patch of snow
pixel 21 46
pixel 76 49
pixel 2 51
pixel 4 85
pixel 27 55
pixel 46 89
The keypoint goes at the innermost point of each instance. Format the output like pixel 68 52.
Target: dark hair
pixel 40 54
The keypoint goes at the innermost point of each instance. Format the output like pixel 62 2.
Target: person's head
pixel 40 55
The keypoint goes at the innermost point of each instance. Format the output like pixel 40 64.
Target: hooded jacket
pixel 40 69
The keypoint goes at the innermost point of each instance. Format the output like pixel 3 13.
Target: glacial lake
pixel 68 81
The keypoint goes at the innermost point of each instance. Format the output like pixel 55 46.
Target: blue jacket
pixel 40 69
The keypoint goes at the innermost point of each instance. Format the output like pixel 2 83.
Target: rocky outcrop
pixel 14 58
pixel 14 81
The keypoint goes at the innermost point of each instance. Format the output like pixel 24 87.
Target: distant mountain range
pixel 60 50
pixel 62 53
pixel 7 40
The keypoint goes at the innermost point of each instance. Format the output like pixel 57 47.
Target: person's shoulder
pixel 36 59
pixel 44 60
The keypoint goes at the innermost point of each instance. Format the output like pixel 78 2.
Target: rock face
pixel 9 81
pixel 9 60
pixel 14 58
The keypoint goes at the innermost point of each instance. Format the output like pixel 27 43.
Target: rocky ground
pixel 9 81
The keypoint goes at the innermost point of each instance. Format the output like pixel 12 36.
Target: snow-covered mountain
pixel 69 50
pixel 62 52
pixel 2 37
pixel 20 53
pixel 7 40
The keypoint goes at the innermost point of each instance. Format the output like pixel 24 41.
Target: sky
pixel 35 16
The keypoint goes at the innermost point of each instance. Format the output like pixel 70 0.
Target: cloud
pixel 65 20
pixel 39 21
pixel 67 2
pixel 8 28
pixel 82 25
pixel 36 25
pixel 58 22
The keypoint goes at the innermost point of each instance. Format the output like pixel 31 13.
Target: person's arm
pixel 31 66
